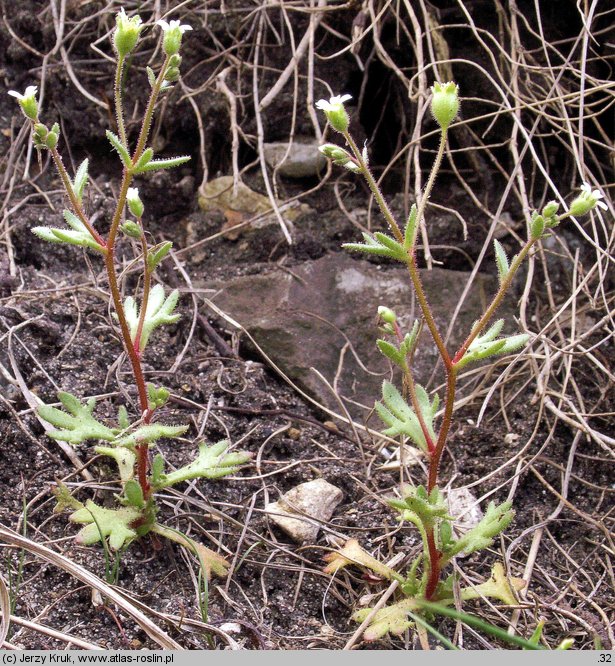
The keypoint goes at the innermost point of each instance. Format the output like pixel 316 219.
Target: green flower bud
pixel 445 103
pixel 537 226
pixel 27 102
pixel 387 315
pixel 550 209
pixel 135 205
pixel 339 156
pixel 172 74
pixel 586 201
pixel 335 112
pixel 126 34
pixel 52 140
pixel 175 60
pixel 172 39
pixel 131 229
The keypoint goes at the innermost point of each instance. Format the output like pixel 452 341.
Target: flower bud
pixel 126 33
pixel 537 226
pixel 445 103
pixel 135 205
pixel 52 140
pixel 387 315
pixel 172 74
pixel 131 229
pixel 27 102
pixel 172 39
pixel 335 112
pixel 550 209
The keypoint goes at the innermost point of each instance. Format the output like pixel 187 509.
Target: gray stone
pixel 301 160
pixel 309 316
pixel 292 512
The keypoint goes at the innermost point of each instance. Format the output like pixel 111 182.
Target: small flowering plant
pixel 410 414
pixel 128 441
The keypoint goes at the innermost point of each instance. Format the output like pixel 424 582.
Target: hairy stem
pixel 119 107
pixel 434 564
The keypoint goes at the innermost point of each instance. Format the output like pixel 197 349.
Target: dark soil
pixel 57 334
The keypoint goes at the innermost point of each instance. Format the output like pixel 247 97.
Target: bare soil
pixel 57 334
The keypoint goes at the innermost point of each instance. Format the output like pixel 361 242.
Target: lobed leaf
pixel 101 523
pixel 76 424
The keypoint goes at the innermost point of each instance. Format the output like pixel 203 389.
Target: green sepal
pixel 381 245
pixel 212 462
pixel 120 148
pixel 157 254
pixel 410 231
pixel 501 261
pixel 400 417
pixel 155 165
pixel 133 494
pixel 76 424
pixel 125 459
pixel 147 434
pixel 101 523
pixel 496 519
pixel 159 311
pixel 81 180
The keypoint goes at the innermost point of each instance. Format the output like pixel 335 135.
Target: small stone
pixel 294 433
pixel 136 644
pixel 316 499
pixel 331 425
pixel 464 507
pixel 301 160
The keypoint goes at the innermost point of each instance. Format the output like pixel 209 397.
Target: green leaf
pixel 102 523
pixel 76 423
pixel 486 345
pixel 125 459
pixel 122 418
pixel 400 417
pixel 81 180
pixel 410 232
pixel 392 353
pixel 496 519
pixel 499 587
pixel 501 261
pixel 134 494
pixel 64 499
pixel 145 158
pixel 212 463
pixel 147 434
pixel 78 235
pixel 388 620
pixel 151 77
pixel 427 508
pixel 157 254
pixel 120 148
pixel 157 470
pixel 381 245
pixel 156 165
pixel 159 311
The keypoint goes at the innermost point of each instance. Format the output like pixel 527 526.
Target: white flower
pixel 135 205
pixel 334 104
pixel 30 92
pixel 594 195
pixel 335 112
pixel 173 25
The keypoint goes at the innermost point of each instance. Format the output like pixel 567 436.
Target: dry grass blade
pixel 5 610
pixel 159 636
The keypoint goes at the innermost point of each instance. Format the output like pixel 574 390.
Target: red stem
pixel 434 564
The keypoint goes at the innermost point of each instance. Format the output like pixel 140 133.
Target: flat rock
pixel 316 499
pixel 322 314
pixel 300 159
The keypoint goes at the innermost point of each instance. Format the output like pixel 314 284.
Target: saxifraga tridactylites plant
pixel 410 413
pixel 127 443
